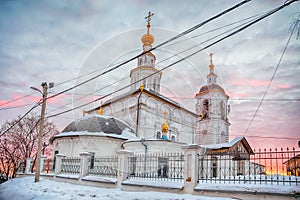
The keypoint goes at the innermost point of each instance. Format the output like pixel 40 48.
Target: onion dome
pixel 211 87
pixel 147 39
pixel 165 127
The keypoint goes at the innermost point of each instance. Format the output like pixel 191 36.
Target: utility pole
pixel 39 151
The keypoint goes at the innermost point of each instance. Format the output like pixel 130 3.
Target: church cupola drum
pixel 212 109
pixel 142 74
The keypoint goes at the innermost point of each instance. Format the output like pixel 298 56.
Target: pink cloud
pixel 249 82
pixel 235 95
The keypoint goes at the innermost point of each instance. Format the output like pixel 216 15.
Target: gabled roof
pixel 230 144
pixel 149 93
pixel 297 157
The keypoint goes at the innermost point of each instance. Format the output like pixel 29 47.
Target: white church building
pixel 143 121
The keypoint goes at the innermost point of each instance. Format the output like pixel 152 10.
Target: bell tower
pixel 146 64
pixel 212 108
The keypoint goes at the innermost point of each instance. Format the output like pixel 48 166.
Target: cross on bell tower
pixel 146 64
pixel 148 20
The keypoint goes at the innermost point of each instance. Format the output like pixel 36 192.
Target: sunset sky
pixel 67 42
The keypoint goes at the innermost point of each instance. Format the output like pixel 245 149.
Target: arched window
pixel 173 138
pixel 205 107
pixel 158 135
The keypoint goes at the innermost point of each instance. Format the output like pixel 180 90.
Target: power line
pixel 215 29
pixel 13 107
pixel 268 137
pixel 244 99
pixel 156 64
pixel 133 58
pixel 156 47
pixel 13 100
pixel 36 105
pixel 272 78
pixel 122 63
pixel 182 59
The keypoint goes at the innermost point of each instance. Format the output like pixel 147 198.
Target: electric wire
pixel 122 63
pixel 127 61
pixel 13 100
pixel 13 107
pixel 156 47
pixel 182 59
pixel 166 58
pixel 16 122
pixel 272 78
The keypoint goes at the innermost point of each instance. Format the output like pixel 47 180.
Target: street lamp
pixel 40 134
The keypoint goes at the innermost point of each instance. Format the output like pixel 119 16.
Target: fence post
pixel 28 166
pixel 58 163
pixel 190 166
pixel 84 163
pixel 123 168
pixel 43 159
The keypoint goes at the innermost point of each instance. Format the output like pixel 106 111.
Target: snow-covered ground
pixel 25 188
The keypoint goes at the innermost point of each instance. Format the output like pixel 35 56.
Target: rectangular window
pixel 163 167
pixel 54 159
pixel 132 166
pixel 92 163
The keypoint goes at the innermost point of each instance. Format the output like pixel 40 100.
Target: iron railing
pixel 103 166
pixel 263 167
pixel 49 166
pixel 168 166
pixel 70 166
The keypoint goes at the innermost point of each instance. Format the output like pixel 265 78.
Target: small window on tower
pixel 205 107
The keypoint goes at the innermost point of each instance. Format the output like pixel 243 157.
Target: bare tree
pixel 21 142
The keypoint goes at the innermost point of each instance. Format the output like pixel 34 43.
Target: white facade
pixel 212 102
pixel 143 111
pixel 72 146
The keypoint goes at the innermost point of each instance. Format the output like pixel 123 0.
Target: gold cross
pixel 149 17
pixel 211 65
pixel 210 55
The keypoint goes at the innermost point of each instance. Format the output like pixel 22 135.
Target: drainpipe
pixel 138 111
pixel 145 158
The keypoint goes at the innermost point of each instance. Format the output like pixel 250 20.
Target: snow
pixel 25 188
pixel 100 179
pixel 223 145
pixel 125 135
pixel 246 187
pixel 155 183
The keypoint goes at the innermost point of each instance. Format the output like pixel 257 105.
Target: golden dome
pixel 148 39
pixel 164 127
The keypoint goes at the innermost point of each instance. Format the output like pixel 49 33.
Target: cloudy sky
pixel 66 42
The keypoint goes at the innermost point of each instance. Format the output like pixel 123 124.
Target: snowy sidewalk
pixel 25 189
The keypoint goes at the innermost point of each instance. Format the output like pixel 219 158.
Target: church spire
pixel 146 64
pixel 148 39
pixel 211 77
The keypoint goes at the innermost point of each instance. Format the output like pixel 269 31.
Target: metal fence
pixel 103 166
pixel 169 166
pixel 49 166
pixel 70 166
pixel 269 167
